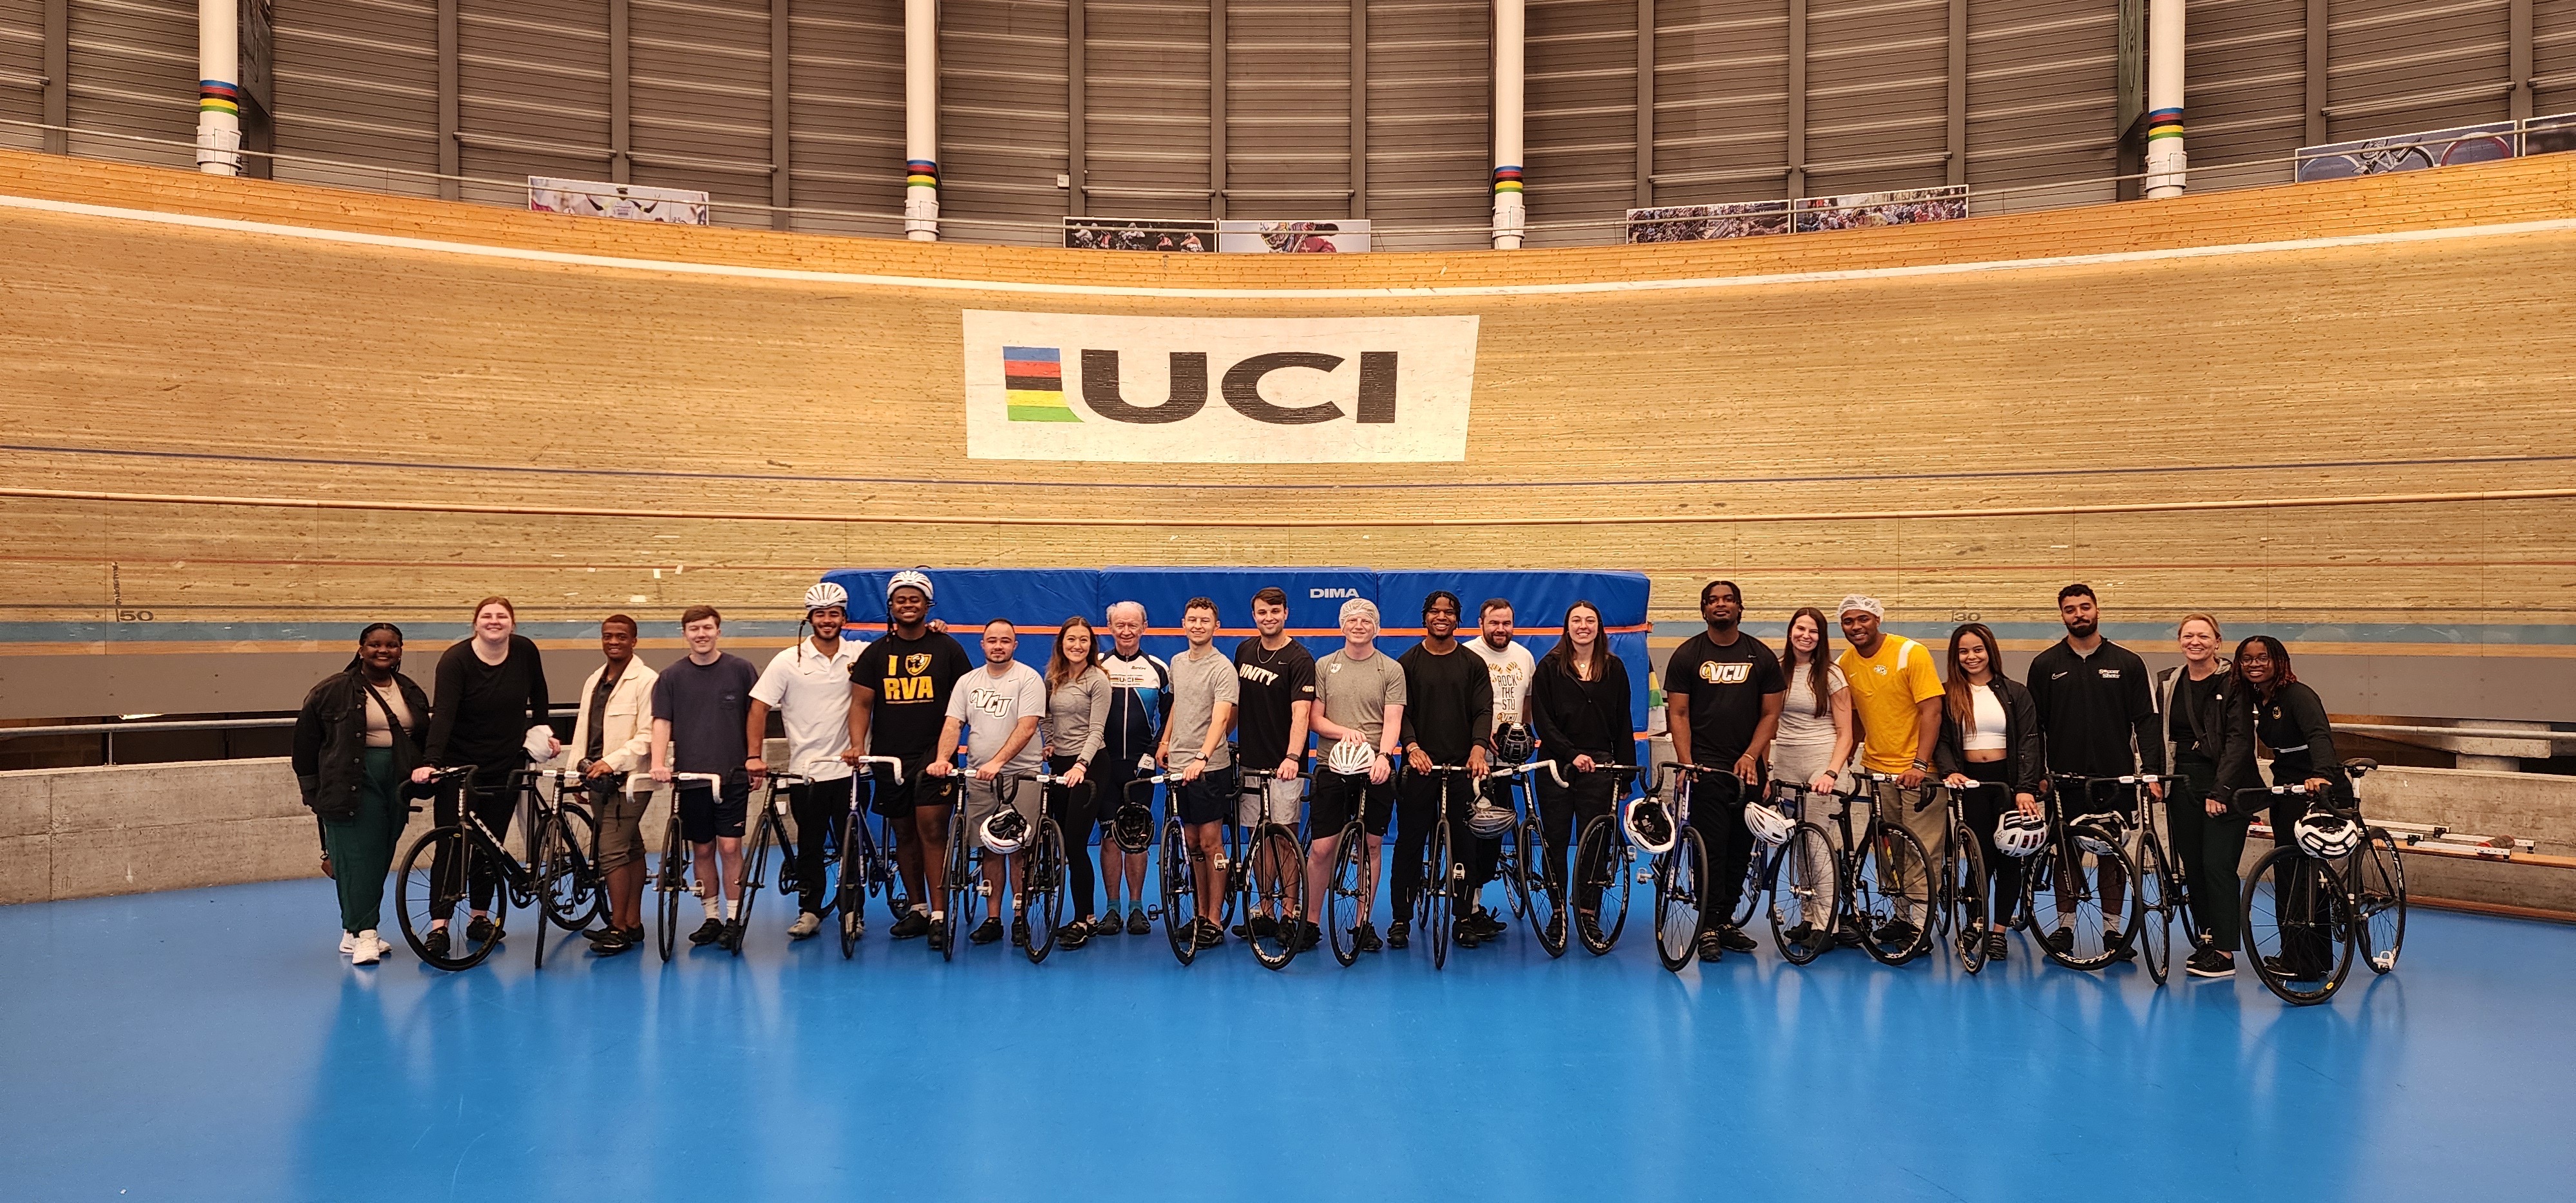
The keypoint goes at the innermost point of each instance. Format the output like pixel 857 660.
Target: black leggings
pixel 495 801
pixel 1417 811
pixel 1585 796
pixel 1717 814
pixel 1982 810
pixel 820 807
pixel 1074 811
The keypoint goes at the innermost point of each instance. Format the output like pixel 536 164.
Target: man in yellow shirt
pixel 1896 699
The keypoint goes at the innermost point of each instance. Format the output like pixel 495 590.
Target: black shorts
pixel 1210 799
pixel 918 789
pixel 1110 775
pixel 706 816
pixel 1331 801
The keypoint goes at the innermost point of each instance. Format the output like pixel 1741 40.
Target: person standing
pixel 1359 697
pixel 1275 680
pixel 2097 714
pixel 700 708
pixel 1723 693
pixel 1990 736
pixel 808 684
pixel 2266 701
pixel 1814 744
pixel 1204 693
pixel 1448 716
pixel 899 690
pixel 1140 699
pixel 2208 834
pixel 998 710
pixel 491 696
pixel 612 743
pixel 1508 668
pixel 1578 700
pixel 356 739
pixel 1896 699
pixel 1077 713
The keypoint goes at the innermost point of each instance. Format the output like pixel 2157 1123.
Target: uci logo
pixel 1033 384
pixel 1319 594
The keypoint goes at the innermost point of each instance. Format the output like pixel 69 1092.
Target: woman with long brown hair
pixel 1578 703
pixel 1814 744
pixel 1076 725
pixel 1989 736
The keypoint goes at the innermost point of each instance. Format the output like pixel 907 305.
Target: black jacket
pixel 1577 717
pixel 2292 722
pixel 331 740
pixel 2022 747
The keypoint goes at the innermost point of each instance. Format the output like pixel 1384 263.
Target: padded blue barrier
pixel 1315 597
pixel 1539 602
pixel 967 598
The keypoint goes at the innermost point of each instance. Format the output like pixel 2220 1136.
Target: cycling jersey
pixel 1140 698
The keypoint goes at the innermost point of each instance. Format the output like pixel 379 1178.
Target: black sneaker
pixel 1464 933
pixel 2209 962
pixel 1589 926
pixel 1995 946
pixel 434 947
pixel 615 944
pixel 1308 935
pixel 938 932
pixel 1735 939
pixel 1108 924
pixel 986 932
pixel 1712 946
pixel 1847 935
pixel 1074 934
pixel 479 930
pixel 731 941
pixel 708 932
pixel 1366 938
pixel 1207 934
pixel 1020 932
pixel 2062 941
pixel 1399 934
pixel 913 925
pixel 2119 951
pixel 1137 925
pixel 601 935
pixel 1264 927
pixel 1800 933
pixel 1898 934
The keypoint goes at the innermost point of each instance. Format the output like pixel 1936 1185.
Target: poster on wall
pixel 1865 210
pixel 1167 235
pixel 1699 223
pixel 2549 135
pixel 629 202
pixel 1341 235
pixel 1089 388
pixel 2407 152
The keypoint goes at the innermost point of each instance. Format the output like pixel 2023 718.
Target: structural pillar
pixel 2165 159
pixel 921 120
pixel 219 136
pixel 1510 210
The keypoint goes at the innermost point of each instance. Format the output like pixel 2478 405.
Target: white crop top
pixel 1988 711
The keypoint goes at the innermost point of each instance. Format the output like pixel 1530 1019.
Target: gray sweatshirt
pixel 1077 719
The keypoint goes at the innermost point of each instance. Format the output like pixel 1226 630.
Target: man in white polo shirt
pixel 808 684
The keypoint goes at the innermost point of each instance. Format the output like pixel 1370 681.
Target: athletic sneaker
pixel 1712 947
pixel 348 943
pixel 1019 933
pixel 938 931
pixel 708 932
pixel 913 925
pixel 1108 923
pixel 1208 934
pixel 1488 924
pixel 2209 962
pixel 1365 937
pixel 986 932
pixel 1735 940
pixel 731 941
pixel 368 949
pixel 479 930
pixel 598 934
pixel 1800 933
pixel 1995 946
pixel 615 943
pixel 2119 951
pixel 434 947
pixel 1264 927
pixel 1462 932
pixel 1074 934
pixel 1137 925
pixel 1308 935
pixel 2062 941
pixel 805 926
pixel 1399 934
pixel 1898 933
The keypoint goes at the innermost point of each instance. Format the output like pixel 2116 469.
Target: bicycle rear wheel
pixel 1539 882
pixel 1892 895
pixel 2154 938
pixel 2296 934
pixel 1276 848
pixel 671 883
pixel 1967 890
pixel 1180 893
pixel 1802 885
pixel 1440 873
pixel 569 888
pixel 960 893
pixel 754 868
pixel 2383 900
pixel 431 884
pixel 1342 916
pixel 1601 884
pixel 1043 891
pixel 1679 878
pixel 2065 889
pixel 852 889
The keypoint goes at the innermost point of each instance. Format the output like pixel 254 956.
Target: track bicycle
pixel 1179 886
pixel 2306 916
pixel 771 827
pixel 1351 890
pixel 867 861
pixel 570 891
pixel 438 873
pixel 965 892
pixel 1682 883
pixel 2162 892
pixel 2067 886
pixel 1537 890
pixel 1443 876
pixel 671 877
pixel 1884 875
pixel 1603 858
pixel 1271 849
pixel 1039 898
pixel 1794 878
pixel 1959 897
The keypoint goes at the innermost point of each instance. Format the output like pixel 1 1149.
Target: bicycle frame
pixel 866 861
pixel 1443 878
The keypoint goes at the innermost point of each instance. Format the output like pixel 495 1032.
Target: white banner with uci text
pixel 1102 387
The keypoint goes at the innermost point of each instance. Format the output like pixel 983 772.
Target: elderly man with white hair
pixel 1359 699
pixel 1140 699
pixel 1896 698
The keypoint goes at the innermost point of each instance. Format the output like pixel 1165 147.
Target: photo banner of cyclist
pixel 1092 388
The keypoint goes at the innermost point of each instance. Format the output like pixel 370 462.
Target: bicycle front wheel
pixel 430 886
pixel 1342 915
pixel 1279 873
pixel 1967 890
pixel 570 889
pixel 2295 931
pixel 2383 900
pixel 1803 892
pixel 2069 888
pixel 1044 889
pixel 1679 875
pixel 1180 893
pixel 1892 895
pixel 853 886
pixel 2155 910
pixel 1542 885
pixel 754 870
pixel 1601 884
pixel 671 884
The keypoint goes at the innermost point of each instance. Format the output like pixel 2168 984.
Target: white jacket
pixel 626 729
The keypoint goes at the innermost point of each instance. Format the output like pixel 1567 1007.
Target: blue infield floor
pixel 210 1045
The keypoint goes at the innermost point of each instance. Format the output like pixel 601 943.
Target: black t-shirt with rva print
pixel 912 679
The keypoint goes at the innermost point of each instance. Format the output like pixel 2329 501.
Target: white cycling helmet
pixel 1351 758
pixel 1490 819
pixel 1767 823
pixel 2019 835
pixel 826 595
pixel 2100 833
pixel 1004 831
pixel 2327 834
pixel 1649 828
pixel 910 577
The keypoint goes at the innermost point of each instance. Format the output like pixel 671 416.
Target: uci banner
pixel 1101 387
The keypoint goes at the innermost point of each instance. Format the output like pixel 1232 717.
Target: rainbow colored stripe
pixel 216 96
pixel 2164 123
pixel 1033 381
pixel 920 173
pixel 1507 179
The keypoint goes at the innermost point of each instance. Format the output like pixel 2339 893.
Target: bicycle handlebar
pixel 865 764
pixel 1531 767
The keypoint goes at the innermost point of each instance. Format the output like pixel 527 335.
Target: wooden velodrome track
pixel 1924 413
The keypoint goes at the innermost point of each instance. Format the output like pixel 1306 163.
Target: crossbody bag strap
pixel 391 720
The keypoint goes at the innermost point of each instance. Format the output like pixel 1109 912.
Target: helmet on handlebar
pixel 2019 835
pixel 1133 826
pixel 826 595
pixel 1490 819
pixel 1649 827
pixel 1767 823
pixel 2101 832
pixel 1351 757
pixel 2327 834
pixel 1004 831
pixel 1512 744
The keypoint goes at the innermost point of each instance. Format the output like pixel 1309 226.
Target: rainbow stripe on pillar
pixel 2164 123
pixel 921 173
pixel 216 96
pixel 1507 179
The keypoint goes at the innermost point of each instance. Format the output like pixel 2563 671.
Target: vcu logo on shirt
pixel 1725 674
pixel 992 702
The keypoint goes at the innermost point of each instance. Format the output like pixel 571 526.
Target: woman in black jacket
pixel 1989 733
pixel 2266 701
pixel 358 736
pixel 1578 703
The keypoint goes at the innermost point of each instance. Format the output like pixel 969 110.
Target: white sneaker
pixel 805 926
pixel 348 942
pixel 369 949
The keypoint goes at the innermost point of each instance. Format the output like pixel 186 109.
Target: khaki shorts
pixel 983 801
pixel 1278 802
pixel 621 829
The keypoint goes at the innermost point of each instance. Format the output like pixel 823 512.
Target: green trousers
pixel 2208 850
pixel 362 845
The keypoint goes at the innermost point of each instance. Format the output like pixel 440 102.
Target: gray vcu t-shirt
pixel 1198 684
pixel 991 708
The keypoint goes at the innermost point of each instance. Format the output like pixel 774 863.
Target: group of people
pixel 1231 734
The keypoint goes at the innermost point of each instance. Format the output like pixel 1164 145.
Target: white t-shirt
pixel 1799 724
pixel 812 697
pixel 1511 669
pixel 991 708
